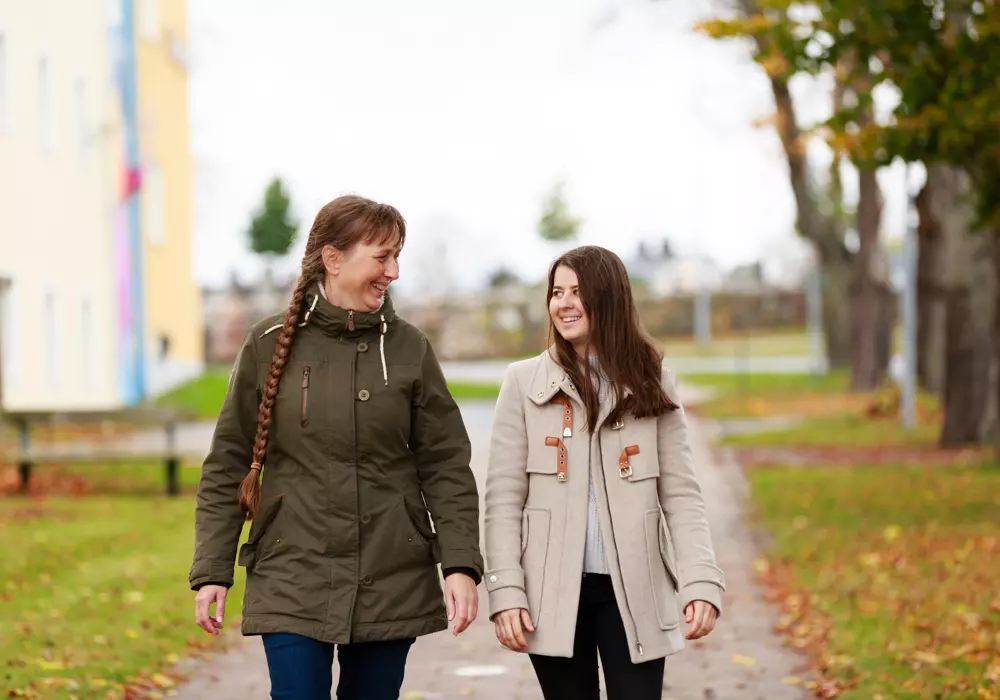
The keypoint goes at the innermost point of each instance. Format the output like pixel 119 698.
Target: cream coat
pixel 655 532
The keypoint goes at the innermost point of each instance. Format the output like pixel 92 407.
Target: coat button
pixel 493 579
pixel 362 346
pixel 364 395
pixel 366 518
pixel 367 580
pixel 363 457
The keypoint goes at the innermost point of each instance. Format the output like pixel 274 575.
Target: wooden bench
pixel 139 442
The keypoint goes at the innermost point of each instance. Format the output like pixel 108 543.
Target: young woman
pixel 337 436
pixel 595 524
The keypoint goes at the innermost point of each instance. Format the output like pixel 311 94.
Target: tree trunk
pixel 870 293
pixel 968 278
pixel 930 291
pixel 836 312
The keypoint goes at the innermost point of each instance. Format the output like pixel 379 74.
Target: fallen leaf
pixel 891 533
pixel 131 634
pixel 791 680
pixel 162 681
pixel 744 660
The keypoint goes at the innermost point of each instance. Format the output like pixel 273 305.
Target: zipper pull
pixel 305 377
pixel 350 320
pixel 639 646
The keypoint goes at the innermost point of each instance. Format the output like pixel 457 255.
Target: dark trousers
pixel 598 627
pixel 302 668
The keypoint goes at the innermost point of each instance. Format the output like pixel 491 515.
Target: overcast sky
pixel 464 114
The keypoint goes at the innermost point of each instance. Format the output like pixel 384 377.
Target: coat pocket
pixel 424 532
pixel 535 557
pixel 667 552
pixel 662 588
pixel 253 550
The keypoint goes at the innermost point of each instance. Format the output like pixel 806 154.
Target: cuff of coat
pixel 506 590
pixel 709 592
pixel 211 571
pixel 463 559
pixel 468 571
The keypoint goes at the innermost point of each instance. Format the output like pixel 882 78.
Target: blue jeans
pixel 302 668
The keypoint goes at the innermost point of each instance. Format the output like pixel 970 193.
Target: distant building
pixel 664 274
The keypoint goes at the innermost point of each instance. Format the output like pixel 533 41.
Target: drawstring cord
pixel 381 350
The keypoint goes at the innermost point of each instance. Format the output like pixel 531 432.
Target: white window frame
pixel 5 77
pixel 50 321
pixel 149 19
pixel 45 102
pixel 10 357
pixel 88 357
pixel 154 200
pixel 81 100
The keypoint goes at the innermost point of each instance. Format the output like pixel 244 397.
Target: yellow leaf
pixel 162 681
pixel 98 683
pixel 791 680
pixel 131 634
pixel 871 559
pixel 891 533
pixel 51 665
pixel 744 660
pixel 133 597
pixel 926 657
pixel 172 659
pixel 100 639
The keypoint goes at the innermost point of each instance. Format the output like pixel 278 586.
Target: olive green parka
pixel 365 443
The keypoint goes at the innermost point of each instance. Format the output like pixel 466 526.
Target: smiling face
pixel 569 318
pixel 358 279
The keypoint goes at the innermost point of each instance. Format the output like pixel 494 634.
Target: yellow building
pixel 174 330
pixel 67 326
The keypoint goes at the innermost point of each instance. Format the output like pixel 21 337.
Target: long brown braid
pixel 342 223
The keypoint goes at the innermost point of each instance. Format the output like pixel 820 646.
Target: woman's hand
pixel 462 598
pixel 510 626
pixel 208 594
pixel 702 617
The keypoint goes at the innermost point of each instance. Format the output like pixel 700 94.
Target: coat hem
pixel 254 625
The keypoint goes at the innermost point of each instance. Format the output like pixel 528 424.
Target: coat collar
pixel 550 378
pixel 334 320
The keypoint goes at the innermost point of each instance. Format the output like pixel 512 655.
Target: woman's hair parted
pixel 623 348
pixel 342 223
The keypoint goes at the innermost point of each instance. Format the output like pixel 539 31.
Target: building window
pixel 82 121
pixel 149 17
pixel 87 344
pixel 8 341
pixel 45 112
pixel 153 209
pixel 51 338
pixel 4 90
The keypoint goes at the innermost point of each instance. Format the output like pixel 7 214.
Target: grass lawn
pixel 95 590
pixel 888 575
pixel 204 396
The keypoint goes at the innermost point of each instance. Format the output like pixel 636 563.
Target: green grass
pixel 95 592
pixel 842 430
pixel 204 396
pixel 726 385
pixel 888 574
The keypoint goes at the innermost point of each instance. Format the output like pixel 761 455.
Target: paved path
pixel 443 667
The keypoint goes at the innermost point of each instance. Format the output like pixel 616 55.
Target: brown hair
pixel 342 223
pixel 623 348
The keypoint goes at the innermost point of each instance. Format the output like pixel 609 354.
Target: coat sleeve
pixel 218 519
pixel 506 491
pixel 440 442
pixel 681 499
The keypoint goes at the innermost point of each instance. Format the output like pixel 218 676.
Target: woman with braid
pixel 337 439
